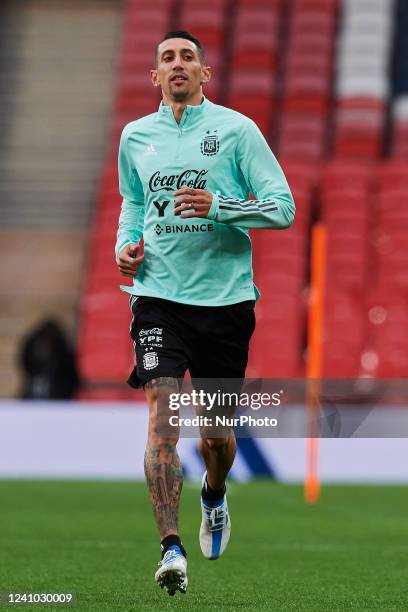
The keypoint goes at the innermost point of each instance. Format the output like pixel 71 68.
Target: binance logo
pixel 159 230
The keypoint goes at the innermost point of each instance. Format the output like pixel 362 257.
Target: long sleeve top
pixel 198 261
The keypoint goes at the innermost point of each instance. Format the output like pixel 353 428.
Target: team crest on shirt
pixel 210 144
pixel 150 361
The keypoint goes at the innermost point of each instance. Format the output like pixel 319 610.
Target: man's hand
pixel 194 202
pixel 128 260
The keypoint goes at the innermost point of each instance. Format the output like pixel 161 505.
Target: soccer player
pixel 185 174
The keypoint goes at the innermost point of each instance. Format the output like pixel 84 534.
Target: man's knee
pixel 159 390
pixel 216 444
pixel 161 428
pixel 162 442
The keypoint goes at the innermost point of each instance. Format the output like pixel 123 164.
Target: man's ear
pixel 155 78
pixel 206 72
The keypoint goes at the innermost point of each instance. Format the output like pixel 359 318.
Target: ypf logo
pixel 161 206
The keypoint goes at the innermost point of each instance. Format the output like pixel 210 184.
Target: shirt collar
pixel 194 110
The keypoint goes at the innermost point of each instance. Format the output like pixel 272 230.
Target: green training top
pixel 208 261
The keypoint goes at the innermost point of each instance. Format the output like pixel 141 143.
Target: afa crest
pixel 210 145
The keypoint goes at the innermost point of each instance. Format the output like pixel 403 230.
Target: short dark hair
pixel 187 36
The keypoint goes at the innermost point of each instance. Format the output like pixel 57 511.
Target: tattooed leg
pixel 164 474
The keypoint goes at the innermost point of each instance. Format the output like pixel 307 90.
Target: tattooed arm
pixel 164 474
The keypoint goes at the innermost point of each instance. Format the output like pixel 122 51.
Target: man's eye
pixel 188 57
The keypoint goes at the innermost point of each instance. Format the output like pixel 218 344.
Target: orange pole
pixel 314 369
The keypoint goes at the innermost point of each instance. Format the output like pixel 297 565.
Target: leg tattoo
pixel 164 476
pixel 162 381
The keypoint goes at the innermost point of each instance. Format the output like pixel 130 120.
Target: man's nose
pixel 177 62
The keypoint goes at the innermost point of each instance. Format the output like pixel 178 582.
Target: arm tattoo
pixel 164 476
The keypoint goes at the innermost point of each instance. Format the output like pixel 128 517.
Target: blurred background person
pixel 48 364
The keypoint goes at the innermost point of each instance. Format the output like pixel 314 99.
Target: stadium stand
pixel 362 85
pixel 56 83
pixel 104 349
pixel 254 61
pixel 280 262
pixel 346 188
pixel 400 127
pixel 209 22
pixel 387 306
pixel 307 82
pixel 315 76
pixel 293 45
pixel 399 146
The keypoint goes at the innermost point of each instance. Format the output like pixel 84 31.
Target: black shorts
pixel 171 338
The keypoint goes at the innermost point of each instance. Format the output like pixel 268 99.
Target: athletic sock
pixel 212 495
pixel 169 542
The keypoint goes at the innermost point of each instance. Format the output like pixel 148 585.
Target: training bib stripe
pixel 248 209
pixel 236 202
pixel 250 205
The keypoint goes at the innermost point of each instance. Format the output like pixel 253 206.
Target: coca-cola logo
pixel 189 178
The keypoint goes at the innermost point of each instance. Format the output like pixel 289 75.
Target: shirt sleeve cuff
pixel 213 212
pixel 120 246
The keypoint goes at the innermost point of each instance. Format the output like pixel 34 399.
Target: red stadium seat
pixel 316 5
pixel 252 19
pixel 129 63
pixel 272 283
pixel 138 6
pixel 389 319
pixel 302 175
pixel 138 21
pixel 338 205
pixel 101 366
pixel 209 5
pixel 133 42
pixel 311 43
pixel 242 87
pixel 206 22
pixel 246 59
pixel 301 133
pixel 400 140
pixel 301 149
pixel 312 21
pixel 343 332
pixel 251 81
pixel 359 127
pixel 252 4
pixel 255 46
pixel 391 201
pixel 307 85
pixel 341 360
pixel 347 173
pixel 258 109
pixel 313 63
pixel 393 175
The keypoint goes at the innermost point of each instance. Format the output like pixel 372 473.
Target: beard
pixel 179 96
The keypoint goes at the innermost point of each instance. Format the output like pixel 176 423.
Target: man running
pixel 185 174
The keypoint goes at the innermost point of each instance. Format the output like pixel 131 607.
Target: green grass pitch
pixel 97 539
